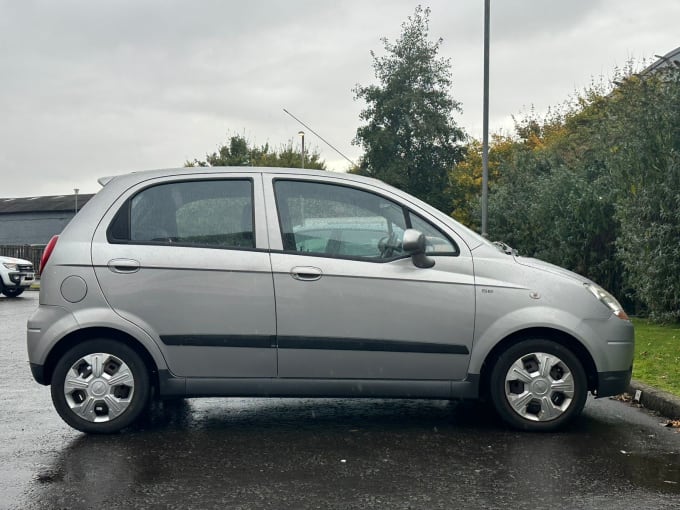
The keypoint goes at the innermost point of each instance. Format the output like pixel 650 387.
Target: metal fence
pixel 31 252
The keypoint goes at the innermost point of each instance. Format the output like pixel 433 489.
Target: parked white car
pixel 16 275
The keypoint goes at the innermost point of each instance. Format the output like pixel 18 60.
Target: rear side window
pixel 216 214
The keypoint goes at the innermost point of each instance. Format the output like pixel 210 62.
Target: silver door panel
pixel 222 361
pixel 393 308
pixel 341 364
pixel 176 298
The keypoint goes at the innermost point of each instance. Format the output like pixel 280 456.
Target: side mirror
pixel 414 244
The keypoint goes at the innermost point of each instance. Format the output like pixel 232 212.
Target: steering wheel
pixel 387 245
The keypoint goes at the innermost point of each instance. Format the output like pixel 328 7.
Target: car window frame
pixel 406 210
pixel 124 212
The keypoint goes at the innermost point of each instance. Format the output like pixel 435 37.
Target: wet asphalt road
pixel 305 453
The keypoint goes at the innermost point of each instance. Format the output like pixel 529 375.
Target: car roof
pixel 140 176
pixel 116 185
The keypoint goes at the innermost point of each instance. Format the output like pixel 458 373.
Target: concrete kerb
pixel 660 401
pixel 651 398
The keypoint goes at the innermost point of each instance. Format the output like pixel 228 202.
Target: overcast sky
pixel 95 88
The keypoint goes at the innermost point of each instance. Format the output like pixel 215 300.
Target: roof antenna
pixel 321 137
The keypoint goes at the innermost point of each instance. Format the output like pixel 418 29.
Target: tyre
pixel 538 385
pixel 12 291
pixel 100 386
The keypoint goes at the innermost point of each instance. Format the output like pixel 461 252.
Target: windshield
pixel 460 227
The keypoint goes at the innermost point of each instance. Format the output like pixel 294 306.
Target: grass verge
pixel 657 355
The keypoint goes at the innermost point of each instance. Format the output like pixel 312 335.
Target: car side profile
pixel 298 283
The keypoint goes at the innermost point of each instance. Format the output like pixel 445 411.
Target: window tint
pixel 197 213
pixel 334 220
pixel 436 242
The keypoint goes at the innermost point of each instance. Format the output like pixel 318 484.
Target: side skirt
pixel 346 388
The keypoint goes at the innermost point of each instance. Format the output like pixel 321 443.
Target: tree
pixel 238 151
pixel 410 137
pixel 643 156
pixel 465 179
pixel 550 194
pixel 595 187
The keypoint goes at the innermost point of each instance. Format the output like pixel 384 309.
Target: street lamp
pixel 76 190
pixel 302 134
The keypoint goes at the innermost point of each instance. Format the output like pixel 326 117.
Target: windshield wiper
pixel 504 248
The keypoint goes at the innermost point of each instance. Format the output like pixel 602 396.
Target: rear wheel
pixel 100 386
pixel 12 291
pixel 538 385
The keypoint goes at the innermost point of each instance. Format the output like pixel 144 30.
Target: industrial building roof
pixel 670 58
pixel 53 203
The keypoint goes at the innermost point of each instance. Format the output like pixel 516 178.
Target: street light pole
pixel 302 134
pixel 76 190
pixel 485 124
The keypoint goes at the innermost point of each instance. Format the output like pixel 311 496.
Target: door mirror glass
pixel 414 244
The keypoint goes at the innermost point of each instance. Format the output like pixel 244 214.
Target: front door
pixel 349 304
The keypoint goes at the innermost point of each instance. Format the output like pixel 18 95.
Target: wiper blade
pixel 504 248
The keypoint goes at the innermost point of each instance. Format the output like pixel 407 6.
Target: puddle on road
pixel 659 471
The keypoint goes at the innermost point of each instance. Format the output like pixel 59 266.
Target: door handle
pixel 124 266
pixel 306 273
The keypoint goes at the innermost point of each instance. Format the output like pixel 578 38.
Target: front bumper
pixel 20 279
pixel 613 383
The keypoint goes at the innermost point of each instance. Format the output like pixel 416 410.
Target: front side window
pixel 436 242
pixel 216 214
pixel 333 220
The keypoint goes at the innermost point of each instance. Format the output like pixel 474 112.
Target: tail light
pixel 47 252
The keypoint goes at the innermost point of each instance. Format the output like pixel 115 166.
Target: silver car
pixel 294 283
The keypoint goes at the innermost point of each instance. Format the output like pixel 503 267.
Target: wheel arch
pixel 81 335
pixel 557 336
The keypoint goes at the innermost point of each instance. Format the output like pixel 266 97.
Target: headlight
pixel 10 266
pixel 607 299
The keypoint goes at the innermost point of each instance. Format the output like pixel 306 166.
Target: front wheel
pixel 538 385
pixel 100 386
pixel 12 292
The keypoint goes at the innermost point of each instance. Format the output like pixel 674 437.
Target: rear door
pixel 186 259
